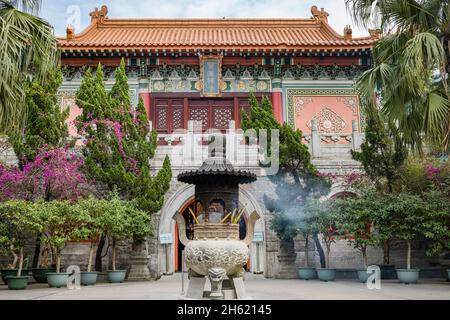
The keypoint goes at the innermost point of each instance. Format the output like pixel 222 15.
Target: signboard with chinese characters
pixel 166 238
pixel 211 76
pixel 258 237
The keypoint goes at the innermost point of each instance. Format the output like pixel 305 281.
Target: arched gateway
pixel 168 258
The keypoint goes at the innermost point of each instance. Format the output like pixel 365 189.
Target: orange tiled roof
pixel 157 34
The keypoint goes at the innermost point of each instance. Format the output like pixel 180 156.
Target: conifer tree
pixel 382 152
pixel 45 122
pixel 119 144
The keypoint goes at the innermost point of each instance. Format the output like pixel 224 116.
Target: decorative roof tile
pixel 204 34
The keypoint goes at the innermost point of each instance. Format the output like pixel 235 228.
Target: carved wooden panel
pixel 200 114
pixel 222 117
pixel 177 118
pixel 177 114
pixel 162 122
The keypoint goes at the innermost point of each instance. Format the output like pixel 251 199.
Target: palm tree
pixel 410 67
pixel 28 49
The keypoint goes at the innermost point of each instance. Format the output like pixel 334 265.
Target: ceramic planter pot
pixel 40 275
pixel 102 277
pixel 307 273
pixel 363 275
pixel 17 283
pixel 387 272
pixel 117 276
pixel 326 274
pixel 57 280
pixel 89 278
pixel 408 276
pixel 13 272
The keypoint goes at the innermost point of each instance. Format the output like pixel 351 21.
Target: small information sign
pixel 166 238
pixel 258 237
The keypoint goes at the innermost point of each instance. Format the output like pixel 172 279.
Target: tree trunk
pixel 306 251
pixel 365 260
pixel 91 255
pixel 319 250
pixel 58 261
pixel 328 255
pixel 19 272
pixel 408 254
pixel 53 250
pixel 98 255
pixel 15 260
pixel 37 253
pixel 44 259
pixel 386 252
pixel 114 255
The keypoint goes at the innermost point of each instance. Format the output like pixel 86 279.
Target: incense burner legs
pixel 216 277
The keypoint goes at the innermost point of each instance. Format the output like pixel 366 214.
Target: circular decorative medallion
pixel 262 86
pixel 327 124
pixel 159 85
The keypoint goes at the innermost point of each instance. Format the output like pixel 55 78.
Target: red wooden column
pixel 146 97
pixel 237 113
pixel 277 100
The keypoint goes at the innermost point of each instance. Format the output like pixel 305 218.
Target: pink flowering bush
pixel 422 175
pixel 55 174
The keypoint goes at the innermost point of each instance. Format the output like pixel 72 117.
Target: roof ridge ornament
pixel 348 33
pixel 70 32
pixel 99 15
pixel 320 15
pixel 375 33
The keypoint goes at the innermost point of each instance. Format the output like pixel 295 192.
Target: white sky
pixel 61 13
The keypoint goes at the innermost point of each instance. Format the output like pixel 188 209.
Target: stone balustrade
pixel 188 149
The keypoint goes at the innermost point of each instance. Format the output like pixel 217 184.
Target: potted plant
pixel 124 221
pixel 115 224
pixel 59 225
pixel 436 229
pixel 430 179
pixel 306 228
pixel 324 222
pixel 7 248
pixel 357 218
pixel 22 223
pixel 89 217
pixel 40 273
pixel 407 215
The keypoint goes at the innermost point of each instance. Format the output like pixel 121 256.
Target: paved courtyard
pixel 258 288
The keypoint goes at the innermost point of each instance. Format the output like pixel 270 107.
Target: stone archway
pixel 179 200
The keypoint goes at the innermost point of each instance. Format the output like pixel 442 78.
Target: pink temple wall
pixel 75 111
pixel 333 114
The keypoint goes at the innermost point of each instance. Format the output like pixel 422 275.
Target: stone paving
pixel 258 288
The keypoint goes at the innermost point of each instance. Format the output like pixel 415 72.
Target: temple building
pixel 202 71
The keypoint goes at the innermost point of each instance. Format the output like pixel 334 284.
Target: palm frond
pixel 28 49
pixel 30 6
pixel 437 114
